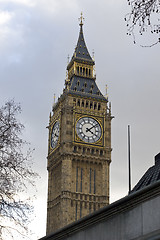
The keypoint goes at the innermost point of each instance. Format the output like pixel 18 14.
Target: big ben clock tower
pixel 79 146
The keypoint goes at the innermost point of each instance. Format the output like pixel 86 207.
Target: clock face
pixel 88 129
pixel 55 134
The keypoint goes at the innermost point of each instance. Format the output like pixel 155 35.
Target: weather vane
pixel 81 19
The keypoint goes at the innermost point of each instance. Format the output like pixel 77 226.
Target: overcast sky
pixel 36 37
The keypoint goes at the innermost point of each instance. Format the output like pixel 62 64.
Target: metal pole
pixel 129 159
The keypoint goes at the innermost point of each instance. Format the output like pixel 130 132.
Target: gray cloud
pixel 34 43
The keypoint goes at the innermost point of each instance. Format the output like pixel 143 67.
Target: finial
pixel 68 59
pixel 81 19
pixel 54 101
pixel 93 54
pixel 67 81
pixel 54 98
pixel 106 92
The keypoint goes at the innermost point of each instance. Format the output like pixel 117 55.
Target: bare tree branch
pixel 144 15
pixel 15 171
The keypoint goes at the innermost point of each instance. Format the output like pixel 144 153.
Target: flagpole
pixel 129 159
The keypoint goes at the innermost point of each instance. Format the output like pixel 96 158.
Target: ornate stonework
pixel 79 146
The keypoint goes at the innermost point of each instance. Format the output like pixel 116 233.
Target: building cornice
pixel 122 205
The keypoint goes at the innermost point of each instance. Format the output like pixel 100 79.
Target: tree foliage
pixel 15 171
pixel 145 15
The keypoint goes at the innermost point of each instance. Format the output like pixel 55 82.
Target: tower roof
pixel 80 79
pixel 151 176
pixel 81 53
pixel 85 87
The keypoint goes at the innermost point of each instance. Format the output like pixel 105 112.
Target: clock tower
pixel 79 145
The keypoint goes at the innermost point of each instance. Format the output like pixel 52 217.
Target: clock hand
pixel 87 129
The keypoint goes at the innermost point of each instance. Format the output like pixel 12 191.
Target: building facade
pixel 79 145
pixel 134 217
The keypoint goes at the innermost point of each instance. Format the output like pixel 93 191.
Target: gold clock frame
pixel 58 142
pixel 100 120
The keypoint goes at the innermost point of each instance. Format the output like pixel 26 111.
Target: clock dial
pixel 88 129
pixel 55 134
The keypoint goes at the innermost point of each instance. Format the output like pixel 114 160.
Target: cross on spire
pixel 81 19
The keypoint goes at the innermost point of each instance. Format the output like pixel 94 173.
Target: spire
pixel 81 78
pixel 81 52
